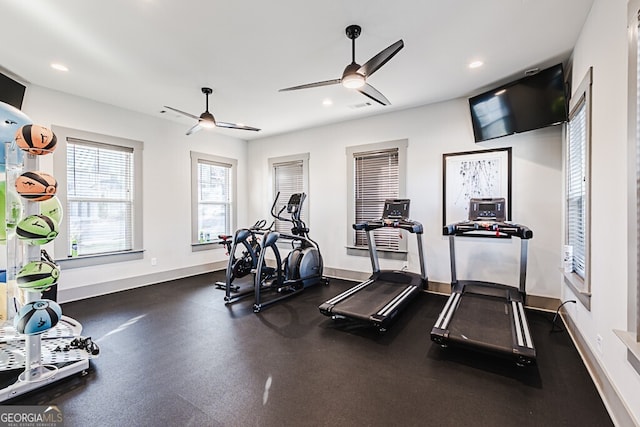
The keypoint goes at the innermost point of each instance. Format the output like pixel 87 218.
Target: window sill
pixel 205 246
pixel 400 255
pixel 577 286
pixel 91 260
pixel 633 348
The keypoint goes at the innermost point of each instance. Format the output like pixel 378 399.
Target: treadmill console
pixel 487 209
pixel 487 219
pixel 395 214
pixel 396 209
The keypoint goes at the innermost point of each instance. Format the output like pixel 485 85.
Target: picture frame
pixel 474 174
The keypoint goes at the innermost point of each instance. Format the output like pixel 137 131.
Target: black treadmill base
pixel 375 302
pixel 523 356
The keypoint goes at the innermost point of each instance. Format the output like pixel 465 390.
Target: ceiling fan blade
pixel 195 128
pixel 182 112
pixel 236 126
pixel 309 85
pixel 372 65
pixel 371 92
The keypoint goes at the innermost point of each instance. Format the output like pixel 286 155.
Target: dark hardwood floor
pixel 173 354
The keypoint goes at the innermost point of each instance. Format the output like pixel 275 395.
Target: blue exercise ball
pixel 37 317
pixel 11 119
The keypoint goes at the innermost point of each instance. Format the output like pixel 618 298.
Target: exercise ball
pixel 52 208
pixel 9 201
pixel 36 139
pixel 36 186
pixel 37 229
pixel 11 119
pixel 37 317
pixel 37 276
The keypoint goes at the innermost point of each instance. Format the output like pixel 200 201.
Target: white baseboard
pixel 103 288
pixel 618 411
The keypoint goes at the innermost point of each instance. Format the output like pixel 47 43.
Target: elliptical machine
pixel 301 268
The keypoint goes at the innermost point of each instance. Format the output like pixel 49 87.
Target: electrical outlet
pixel 599 343
pixel 154 261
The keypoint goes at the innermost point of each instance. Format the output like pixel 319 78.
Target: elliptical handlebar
pixel 273 209
pixel 260 226
pixel 294 208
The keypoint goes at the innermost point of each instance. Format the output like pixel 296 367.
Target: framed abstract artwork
pixel 474 174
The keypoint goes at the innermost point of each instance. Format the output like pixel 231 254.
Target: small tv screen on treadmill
pixel 396 208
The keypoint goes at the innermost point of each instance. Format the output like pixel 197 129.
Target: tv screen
pixel 11 92
pixel 526 104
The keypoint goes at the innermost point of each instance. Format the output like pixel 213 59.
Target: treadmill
pixel 379 299
pixel 487 316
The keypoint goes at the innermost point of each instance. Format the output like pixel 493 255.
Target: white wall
pixel 603 45
pixel 431 131
pixel 166 180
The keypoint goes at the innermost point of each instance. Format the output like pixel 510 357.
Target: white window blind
pixel 288 179
pixel 576 186
pixel 214 200
pixel 376 179
pixel 100 192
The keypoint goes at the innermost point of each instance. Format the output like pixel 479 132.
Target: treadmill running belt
pixel 369 300
pixel 482 319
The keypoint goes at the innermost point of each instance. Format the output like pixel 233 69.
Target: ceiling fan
pixel 354 75
pixel 206 119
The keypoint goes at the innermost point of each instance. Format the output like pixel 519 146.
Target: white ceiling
pixel 144 54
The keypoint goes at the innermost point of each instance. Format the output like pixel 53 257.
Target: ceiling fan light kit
pixel 353 81
pixel 354 75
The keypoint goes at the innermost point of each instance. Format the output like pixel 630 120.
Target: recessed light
pixel 59 67
pixel 476 64
pixel 327 102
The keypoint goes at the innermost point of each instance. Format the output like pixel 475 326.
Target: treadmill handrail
pixel 500 229
pixel 410 226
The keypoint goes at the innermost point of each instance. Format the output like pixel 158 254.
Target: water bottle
pixel 74 248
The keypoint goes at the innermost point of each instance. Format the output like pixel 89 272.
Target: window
pixel 376 180
pixel 376 173
pixel 631 336
pixel 99 181
pixel 290 175
pixel 577 191
pixel 212 198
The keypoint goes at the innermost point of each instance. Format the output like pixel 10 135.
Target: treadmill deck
pixel 371 299
pixel 482 319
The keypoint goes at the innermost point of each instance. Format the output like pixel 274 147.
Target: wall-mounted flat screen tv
pixel 11 92
pixel 533 102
